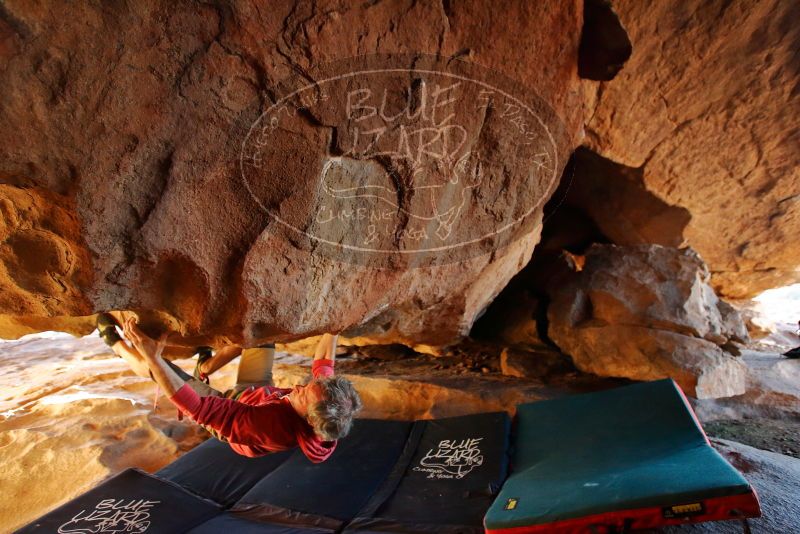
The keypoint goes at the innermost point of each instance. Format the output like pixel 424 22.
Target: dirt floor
pixel 472 359
pixel 781 436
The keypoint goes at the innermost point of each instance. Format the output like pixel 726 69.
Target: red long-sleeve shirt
pixel 261 421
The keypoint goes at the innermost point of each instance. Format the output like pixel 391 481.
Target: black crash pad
pixel 328 494
pixel 132 502
pixel 214 471
pixel 450 473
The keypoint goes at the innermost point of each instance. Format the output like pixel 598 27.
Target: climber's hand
pixel 149 348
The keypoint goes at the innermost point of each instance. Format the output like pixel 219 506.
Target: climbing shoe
pixel 203 354
pixel 107 327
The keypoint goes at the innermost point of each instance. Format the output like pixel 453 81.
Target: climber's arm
pixel 324 356
pixel 150 350
pixel 326 348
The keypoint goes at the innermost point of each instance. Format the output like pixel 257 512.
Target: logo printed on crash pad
pixel 683 510
pixel 452 459
pixel 511 504
pixel 112 515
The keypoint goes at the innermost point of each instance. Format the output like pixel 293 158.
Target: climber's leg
pixel 219 359
pixel 255 367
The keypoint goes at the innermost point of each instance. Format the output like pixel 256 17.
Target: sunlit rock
pixel 647 312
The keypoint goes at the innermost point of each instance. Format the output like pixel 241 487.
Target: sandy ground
pixel 72 414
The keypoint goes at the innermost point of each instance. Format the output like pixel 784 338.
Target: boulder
pixel 646 312
pixel 771 319
pixel 758 325
pixel 194 163
pixel 700 367
pixel 651 286
pixel 210 167
pixel 709 120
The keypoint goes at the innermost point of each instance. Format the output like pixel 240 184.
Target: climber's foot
pixel 203 354
pixel 107 327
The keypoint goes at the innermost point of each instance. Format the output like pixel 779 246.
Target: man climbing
pixel 255 417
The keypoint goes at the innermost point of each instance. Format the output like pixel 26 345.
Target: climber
pixel 254 417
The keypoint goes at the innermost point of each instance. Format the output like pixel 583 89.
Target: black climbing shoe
pixel 203 354
pixel 792 354
pixel 107 327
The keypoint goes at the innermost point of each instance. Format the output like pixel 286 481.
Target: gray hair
pixel 332 417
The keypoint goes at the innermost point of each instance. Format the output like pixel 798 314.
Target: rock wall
pixel 126 126
pixel 43 263
pixel 145 164
pixel 706 108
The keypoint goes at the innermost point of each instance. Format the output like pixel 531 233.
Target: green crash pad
pixel 632 457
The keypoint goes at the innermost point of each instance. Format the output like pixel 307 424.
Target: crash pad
pixel 132 501
pixel 447 478
pixel 632 457
pixel 214 471
pixel 328 494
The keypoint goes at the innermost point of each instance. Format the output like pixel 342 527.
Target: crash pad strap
pixel 230 524
pixel 380 525
pixel 268 513
pixel 396 474
pixel 714 509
